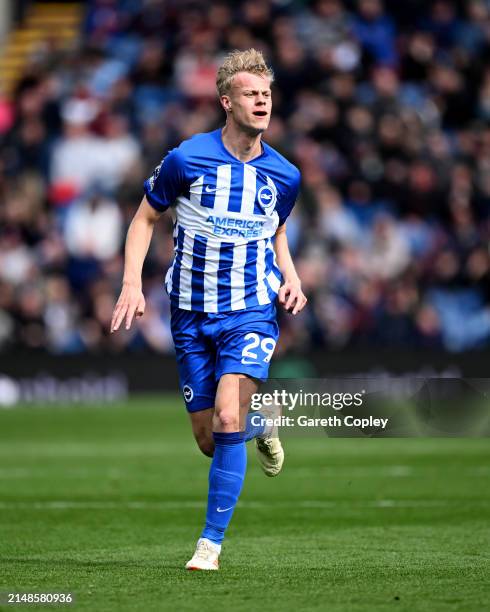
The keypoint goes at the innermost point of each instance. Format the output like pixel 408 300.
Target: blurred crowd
pixel 384 106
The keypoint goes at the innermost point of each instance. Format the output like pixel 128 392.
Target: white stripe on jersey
pixel 249 189
pixel 190 213
pixel 237 277
pixel 168 279
pixel 185 291
pixel 195 191
pixel 211 279
pixel 223 184
pixel 273 281
pixel 262 294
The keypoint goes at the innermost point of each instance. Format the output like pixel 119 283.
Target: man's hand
pixel 291 296
pixel 131 303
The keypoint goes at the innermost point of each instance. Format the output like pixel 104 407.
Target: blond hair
pixel 250 60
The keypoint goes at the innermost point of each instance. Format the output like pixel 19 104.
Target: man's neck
pixel 240 144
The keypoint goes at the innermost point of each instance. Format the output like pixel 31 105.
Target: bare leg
pixel 233 402
pixel 202 428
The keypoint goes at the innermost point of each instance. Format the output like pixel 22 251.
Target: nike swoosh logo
pixel 209 189
pixel 224 509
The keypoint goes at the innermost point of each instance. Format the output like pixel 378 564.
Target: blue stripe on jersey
pixel 258 210
pixel 209 183
pixel 177 264
pixel 235 200
pixel 250 275
pixel 198 263
pixel 224 276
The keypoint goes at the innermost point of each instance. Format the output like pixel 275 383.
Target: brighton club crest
pixel 267 195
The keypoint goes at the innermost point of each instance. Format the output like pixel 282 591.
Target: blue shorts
pixel 208 345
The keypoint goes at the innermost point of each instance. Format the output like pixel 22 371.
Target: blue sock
pixel 226 477
pixel 251 430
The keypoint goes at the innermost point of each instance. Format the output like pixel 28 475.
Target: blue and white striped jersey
pixel 225 213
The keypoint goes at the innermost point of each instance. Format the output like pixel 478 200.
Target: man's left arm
pixel 290 294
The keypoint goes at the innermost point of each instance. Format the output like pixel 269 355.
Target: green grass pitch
pixel 107 503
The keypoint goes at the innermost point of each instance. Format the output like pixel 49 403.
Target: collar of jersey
pixel 217 134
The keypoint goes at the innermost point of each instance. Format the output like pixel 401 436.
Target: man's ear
pixel 226 103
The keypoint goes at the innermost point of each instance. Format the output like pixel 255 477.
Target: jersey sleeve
pixel 288 200
pixel 167 181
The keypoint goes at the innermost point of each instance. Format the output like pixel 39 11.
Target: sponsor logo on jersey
pixel 231 226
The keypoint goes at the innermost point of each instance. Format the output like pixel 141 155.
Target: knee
pixel 226 421
pixel 205 443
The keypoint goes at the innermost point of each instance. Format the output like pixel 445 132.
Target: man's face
pixel 249 102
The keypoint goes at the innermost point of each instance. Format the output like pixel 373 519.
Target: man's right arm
pixel 131 301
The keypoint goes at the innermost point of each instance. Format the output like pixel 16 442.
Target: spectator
pixel 376 33
pixel 78 157
pixel 94 227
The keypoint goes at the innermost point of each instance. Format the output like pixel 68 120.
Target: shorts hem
pixel 199 407
pixel 238 370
